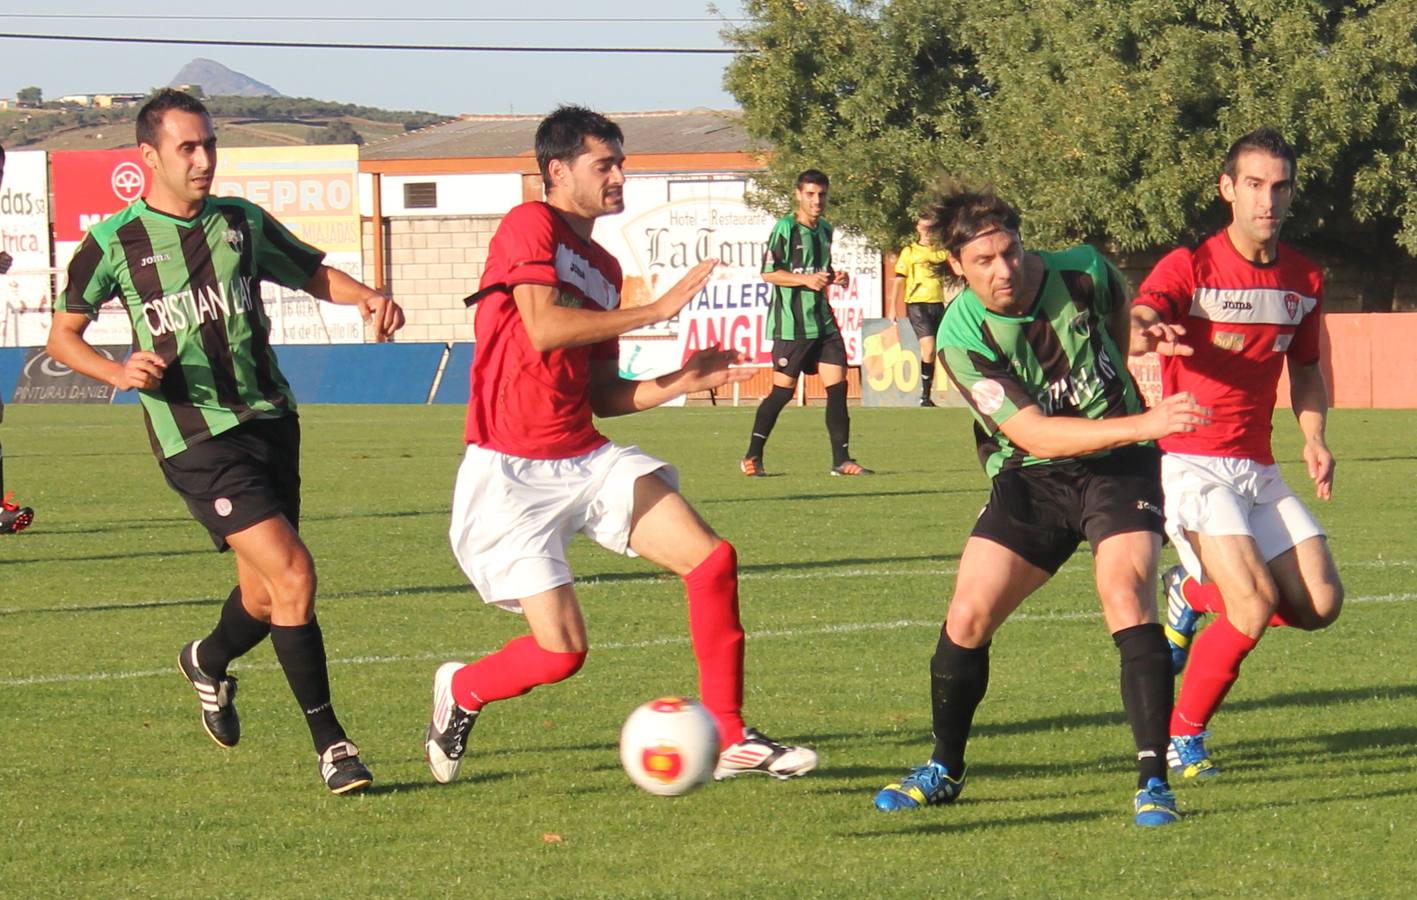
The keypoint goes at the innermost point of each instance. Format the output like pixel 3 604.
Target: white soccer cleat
pixel 446 740
pixel 759 753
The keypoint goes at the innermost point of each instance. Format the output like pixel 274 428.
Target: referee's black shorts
pixel 240 477
pixel 1043 512
pixel 925 318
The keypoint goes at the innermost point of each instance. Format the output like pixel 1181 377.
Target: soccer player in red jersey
pixel 536 471
pixel 1243 303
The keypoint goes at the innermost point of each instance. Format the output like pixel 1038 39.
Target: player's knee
pixel 1327 604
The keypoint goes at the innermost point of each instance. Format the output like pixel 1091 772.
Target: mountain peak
pixel 216 80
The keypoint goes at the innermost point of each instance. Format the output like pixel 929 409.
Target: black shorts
pixel 793 358
pixel 242 476
pixel 925 318
pixel 1043 512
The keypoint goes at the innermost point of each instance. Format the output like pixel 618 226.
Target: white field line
pixel 649 578
pixel 844 628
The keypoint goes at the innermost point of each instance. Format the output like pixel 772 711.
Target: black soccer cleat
pixel 13 517
pixel 341 769
pixel 218 697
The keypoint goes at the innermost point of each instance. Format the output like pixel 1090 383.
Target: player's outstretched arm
pixel 142 369
pixel 1056 437
pixel 1308 395
pixel 1150 333
pixel 379 311
pixel 611 395
pixel 551 326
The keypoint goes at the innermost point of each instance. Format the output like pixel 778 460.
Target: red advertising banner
pixel 90 185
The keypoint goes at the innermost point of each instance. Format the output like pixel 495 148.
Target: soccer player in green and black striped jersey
pixel 188 268
pixel 1035 345
pixel 805 336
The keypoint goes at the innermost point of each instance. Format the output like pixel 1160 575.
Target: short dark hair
pixel 562 136
pixel 813 176
pixel 1262 140
pixel 960 214
pixel 150 116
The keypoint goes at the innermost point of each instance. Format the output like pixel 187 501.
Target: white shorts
pixel 1219 496
pixel 513 517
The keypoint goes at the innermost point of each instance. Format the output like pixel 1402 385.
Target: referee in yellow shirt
pixel 919 283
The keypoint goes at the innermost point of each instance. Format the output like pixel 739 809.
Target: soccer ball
pixel 669 746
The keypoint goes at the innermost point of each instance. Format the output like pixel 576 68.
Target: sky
pixel 446 82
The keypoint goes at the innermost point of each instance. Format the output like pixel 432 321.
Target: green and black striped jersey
pixel 193 294
pixel 1060 357
pixel 797 313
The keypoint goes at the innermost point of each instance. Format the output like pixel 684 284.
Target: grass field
pixel 109 787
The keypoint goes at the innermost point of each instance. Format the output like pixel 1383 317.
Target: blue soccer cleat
pixel 1156 805
pixel 1188 758
pixel 1181 620
pixel 925 786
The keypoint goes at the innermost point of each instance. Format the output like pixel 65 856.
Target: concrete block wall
pixel 430 265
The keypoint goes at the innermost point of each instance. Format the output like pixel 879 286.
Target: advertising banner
pixel 26 279
pixel 890 369
pixel 671 223
pixel 313 191
pixel 46 380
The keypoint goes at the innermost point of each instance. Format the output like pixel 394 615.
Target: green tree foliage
pixel 30 96
pixel 1103 120
pixel 337 132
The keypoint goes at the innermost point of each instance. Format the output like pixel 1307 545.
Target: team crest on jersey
pixel 234 238
pixel 1080 325
pixel 1228 340
pixel 1292 305
pixel 568 299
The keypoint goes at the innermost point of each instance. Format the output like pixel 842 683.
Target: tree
pixel 336 132
pixel 30 96
pixel 1104 120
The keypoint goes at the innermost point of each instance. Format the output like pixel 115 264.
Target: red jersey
pixel 526 403
pixel 1242 319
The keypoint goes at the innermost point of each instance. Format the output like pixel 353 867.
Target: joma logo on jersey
pixel 175 312
pixel 155 258
pixel 1239 304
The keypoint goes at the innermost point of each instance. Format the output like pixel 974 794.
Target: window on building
pixel 420 195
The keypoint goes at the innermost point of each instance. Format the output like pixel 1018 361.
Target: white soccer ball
pixel 669 746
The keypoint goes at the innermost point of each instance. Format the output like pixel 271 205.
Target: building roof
pixel 673 131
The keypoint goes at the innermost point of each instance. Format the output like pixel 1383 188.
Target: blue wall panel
pixel 454 386
pixel 12 360
pixel 361 373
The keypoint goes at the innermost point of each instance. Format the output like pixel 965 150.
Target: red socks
pixel 717 635
pixel 714 628
pixel 1203 598
pixel 512 671
pixel 1206 598
pixel 1214 665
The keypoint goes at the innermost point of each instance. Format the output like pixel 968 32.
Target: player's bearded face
pixel 184 161
pixel 992 264
pixel 597 179
pixel 1259 195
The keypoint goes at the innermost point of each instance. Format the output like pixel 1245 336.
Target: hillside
pixel 239 121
